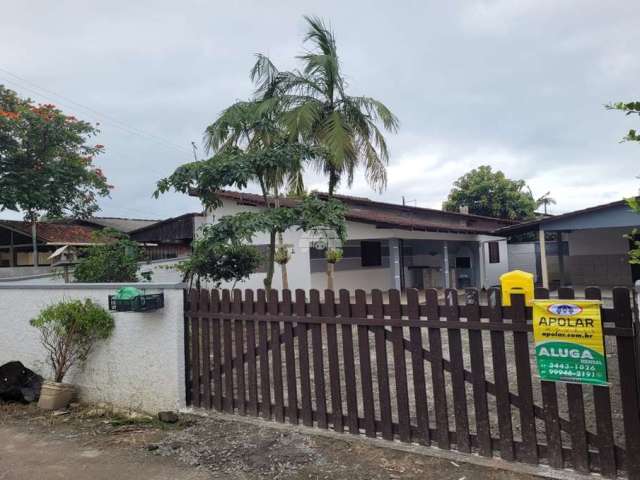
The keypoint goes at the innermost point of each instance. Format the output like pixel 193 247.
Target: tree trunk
pixel 330 268
pixel 333 181
pixel 285 276
pixel 34 242
pixel 268 280
pixel 283 266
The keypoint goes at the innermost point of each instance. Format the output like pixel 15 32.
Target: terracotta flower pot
pixel 55 395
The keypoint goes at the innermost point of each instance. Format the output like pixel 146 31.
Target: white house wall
pixel 298 268
pixel 365 278
pixel 490 273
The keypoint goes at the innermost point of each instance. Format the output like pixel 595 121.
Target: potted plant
pixel 68 331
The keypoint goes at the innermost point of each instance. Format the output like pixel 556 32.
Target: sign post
pixel 569 341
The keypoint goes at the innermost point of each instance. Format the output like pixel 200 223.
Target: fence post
pixel 628 365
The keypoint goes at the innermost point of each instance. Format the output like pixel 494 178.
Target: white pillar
pixel 543 258
pixel 445 267
pixel 395 264
pixel 481 266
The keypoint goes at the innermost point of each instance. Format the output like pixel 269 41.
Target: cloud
pixel 516 85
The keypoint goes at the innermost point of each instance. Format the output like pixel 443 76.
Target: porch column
pixel 445 264
pixel 481 273
pixel 543 258
pixel 560 259
pixel 12 259
pixel 395 263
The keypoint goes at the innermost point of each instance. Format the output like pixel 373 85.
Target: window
pixel 371 253
pixel 494 252
pixel 463 262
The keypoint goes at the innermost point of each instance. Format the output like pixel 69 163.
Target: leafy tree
pixel 491 194
pixel 222 252
pixel 113 259
pixel 255 126
pixel 269 165
pixel 317 111
pixel 225 241
pixel 631 108
pixel 544 201
pixel 219 262
pixel 46 162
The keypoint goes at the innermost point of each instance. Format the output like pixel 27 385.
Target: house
pixel 388 246
pixel 16 248
pixel 170 238
pixel 587 247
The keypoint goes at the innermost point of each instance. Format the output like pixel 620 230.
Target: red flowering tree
pixel 46 162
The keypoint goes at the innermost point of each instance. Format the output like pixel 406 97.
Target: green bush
pixel 68 331
pixel 113 259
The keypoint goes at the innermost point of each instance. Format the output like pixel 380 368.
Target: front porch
pixel 401 263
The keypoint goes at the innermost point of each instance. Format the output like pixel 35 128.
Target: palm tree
pixel 255 126
pixel 317 111
pixel 545 200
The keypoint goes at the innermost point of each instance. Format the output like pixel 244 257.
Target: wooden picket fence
pixel 456 375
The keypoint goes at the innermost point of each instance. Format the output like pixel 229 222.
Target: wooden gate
pixel 455 372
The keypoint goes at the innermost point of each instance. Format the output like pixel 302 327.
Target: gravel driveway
pixel 88 444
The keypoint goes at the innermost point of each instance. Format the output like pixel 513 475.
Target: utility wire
pixel 20 81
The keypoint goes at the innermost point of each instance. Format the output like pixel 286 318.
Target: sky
pixel 520 86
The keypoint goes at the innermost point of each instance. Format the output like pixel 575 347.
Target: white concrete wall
pixel 8 272
pixel 141 366
pixel 365 278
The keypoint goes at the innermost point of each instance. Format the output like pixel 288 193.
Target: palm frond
pixel 301 118
pixel 378 111
pixel 320 35
pixel 375 168
pixel 337 136
pixel 264 75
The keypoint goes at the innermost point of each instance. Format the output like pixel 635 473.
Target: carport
pixel 597 240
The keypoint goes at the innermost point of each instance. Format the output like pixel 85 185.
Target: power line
pixel 102 116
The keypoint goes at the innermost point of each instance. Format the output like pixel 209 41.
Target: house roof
pixel 54 233
pixel 124 225
pixel 180 228
pixel 535 224
pixel 389 215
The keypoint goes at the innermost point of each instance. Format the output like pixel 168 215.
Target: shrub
pixel 69 330
pixel 113 259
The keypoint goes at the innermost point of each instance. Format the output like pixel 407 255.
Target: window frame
pixel 494 251
pixel 365 261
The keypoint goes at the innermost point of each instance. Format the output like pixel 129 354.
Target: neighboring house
pixel 16 249
pixel 162 240
pixel 589 247
pixel 170 238
pixel 388 246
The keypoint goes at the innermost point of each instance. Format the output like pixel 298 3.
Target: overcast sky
pixel 519 85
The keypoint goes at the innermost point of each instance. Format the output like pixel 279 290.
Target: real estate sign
pixel 569 341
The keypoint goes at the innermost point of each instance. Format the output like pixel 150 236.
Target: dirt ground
pixel 92 443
